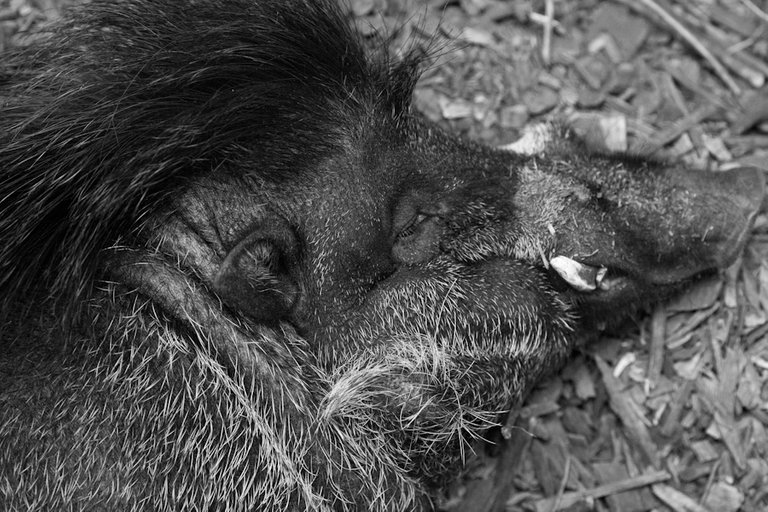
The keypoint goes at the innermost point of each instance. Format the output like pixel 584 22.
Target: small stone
pixel 361 8
pixel 514 117
pixel 601 132
pixel 716 148
pixel 549 80
pixel 624 78
pixel 473 7
pixel 426 101
pixel 569 96
pixel 626 29
pixel 704 450
pixel 455 108
pixel 723 497
pixel 478 36
pixel 593 71
pixel 370 25
pixel 540 100
pixel 590 98
pixel 606 43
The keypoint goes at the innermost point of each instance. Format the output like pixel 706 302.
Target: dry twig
pixel 692 40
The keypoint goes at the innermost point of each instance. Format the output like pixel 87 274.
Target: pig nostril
pixel 745 189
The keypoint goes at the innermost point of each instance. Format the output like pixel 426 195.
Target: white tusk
pixel 583 278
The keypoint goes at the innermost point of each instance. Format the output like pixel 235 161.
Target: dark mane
pixel 119 112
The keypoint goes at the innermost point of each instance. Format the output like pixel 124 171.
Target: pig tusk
pixel 583 278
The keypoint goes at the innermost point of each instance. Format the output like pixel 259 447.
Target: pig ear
pixel 255 277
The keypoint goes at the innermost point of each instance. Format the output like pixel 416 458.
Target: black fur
pixel 115 110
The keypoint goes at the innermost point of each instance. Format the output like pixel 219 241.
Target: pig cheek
pixel 547 210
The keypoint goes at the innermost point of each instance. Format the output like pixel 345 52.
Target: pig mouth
pixel 586 278
pixel 605 282
pixel 580 276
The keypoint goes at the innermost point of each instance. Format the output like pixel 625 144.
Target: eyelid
pixel 411 225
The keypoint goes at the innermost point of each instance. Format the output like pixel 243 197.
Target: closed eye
pixel 412 224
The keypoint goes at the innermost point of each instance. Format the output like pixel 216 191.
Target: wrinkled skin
pixel 327 332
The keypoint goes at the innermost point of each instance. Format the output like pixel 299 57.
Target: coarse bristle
pixel 120 105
